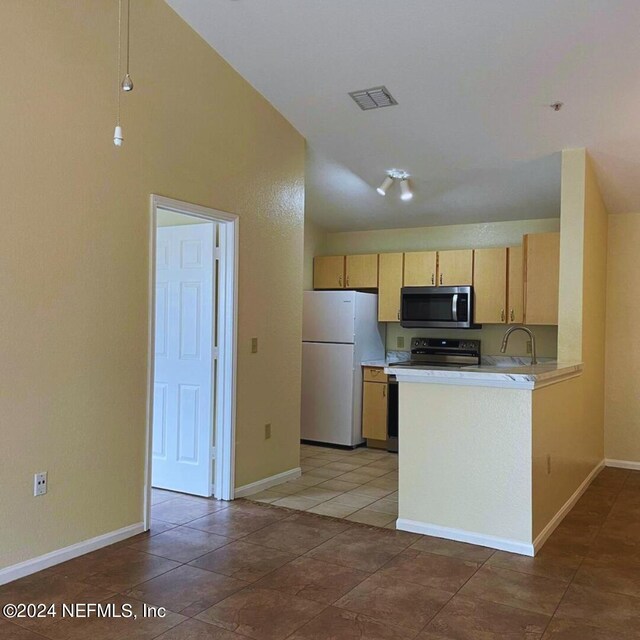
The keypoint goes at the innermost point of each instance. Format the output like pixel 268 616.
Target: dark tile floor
pixel 239 570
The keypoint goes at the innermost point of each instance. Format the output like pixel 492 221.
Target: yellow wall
pixel 490 234
pixel 74 256
pixel 455 236
pixel 561 429
pixel 466 458
pixel 622 409
pixel 569 417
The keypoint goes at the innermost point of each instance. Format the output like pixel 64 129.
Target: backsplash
pixel 490 335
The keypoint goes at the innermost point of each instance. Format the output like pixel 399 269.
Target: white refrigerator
pixel 340 330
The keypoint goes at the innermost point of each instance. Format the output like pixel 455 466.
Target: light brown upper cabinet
pixel 455 267
pixel 515 296
pixel 389 286
pixel 328 272
pixel 361 271
pixel 420 268
pixel 541 277
pixel 490 285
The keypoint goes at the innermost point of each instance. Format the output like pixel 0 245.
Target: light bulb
pixel 117 136
pixel 382 189
pixel 127 83
pixel 405 190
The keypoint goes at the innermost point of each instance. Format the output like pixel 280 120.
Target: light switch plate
pixel 254 345
pixel 400 342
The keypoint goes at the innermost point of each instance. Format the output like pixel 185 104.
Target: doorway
pixel 192 354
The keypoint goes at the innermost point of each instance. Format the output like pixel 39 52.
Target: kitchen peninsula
pixel 483 452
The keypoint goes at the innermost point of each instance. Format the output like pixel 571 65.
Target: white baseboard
pixel 22 569
pixel 623 464
pixel 266 483
pixel 460 535
pixel 568 505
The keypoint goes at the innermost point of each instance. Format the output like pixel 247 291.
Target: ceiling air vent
pixel 373 98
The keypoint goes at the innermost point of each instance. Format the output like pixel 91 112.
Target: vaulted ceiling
pixel 473 80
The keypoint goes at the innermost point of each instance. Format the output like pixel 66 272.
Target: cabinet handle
pixel 433 278
pixel 384 391
pixel 340 280
pixel 502 315
pixel 398 315
pixel 440 278
pixel 347 281
pixel 374 372
pixel 513 315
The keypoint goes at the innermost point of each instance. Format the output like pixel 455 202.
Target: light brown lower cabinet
pixel 374 410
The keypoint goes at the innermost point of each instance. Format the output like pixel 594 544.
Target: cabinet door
pixel 374 411
pixel 420 268
pixel 515 286
pixel 389 286
pixel 541 278
pixel 455 267
pixel 490 285
pixel 362 271
pixel 328 272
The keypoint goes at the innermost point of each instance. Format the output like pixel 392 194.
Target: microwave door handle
pixel 454 307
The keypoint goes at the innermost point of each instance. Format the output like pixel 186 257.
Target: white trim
pixel 225 427
pixel 26 568
pixel 460 535
pixel 568 505
pixel 623 464
pixel 266 483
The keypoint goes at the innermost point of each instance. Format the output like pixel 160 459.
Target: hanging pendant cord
pixel 119 57
pixel 128 31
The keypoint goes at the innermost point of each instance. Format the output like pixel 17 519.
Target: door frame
pixel 224 382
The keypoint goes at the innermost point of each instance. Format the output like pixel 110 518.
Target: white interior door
pixel 184 359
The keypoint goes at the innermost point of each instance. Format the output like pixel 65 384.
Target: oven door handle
pixel 454 307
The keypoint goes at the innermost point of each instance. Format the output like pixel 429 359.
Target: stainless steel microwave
pixel 437 307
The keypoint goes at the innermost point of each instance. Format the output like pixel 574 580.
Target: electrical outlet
pixel 528 346
pixel 40 483
pixel 254 345
pixel 548 464
pixel 267 431
pixel 400 342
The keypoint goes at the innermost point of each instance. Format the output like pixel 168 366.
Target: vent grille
pixel 373 98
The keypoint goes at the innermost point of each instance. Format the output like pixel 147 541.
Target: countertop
pixel 503 374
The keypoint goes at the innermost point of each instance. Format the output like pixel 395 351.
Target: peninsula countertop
pixel 507 375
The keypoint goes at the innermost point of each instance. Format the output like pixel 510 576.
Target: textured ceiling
pixel 473 80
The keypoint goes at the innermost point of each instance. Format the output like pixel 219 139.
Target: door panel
pixel 490 285
pixel 328 316
pixel 328 272
pixel 389 287
pixel 455 268
pixel 515 297
pixel 541 278
pixel 362 271
pixel 183 395
pixel 420 268
pixel 327 392
pixel 374 410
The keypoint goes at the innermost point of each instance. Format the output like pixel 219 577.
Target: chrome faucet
pixel 520 327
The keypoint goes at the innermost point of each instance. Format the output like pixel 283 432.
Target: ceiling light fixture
pixel 405 190
pixel 403 177
pixel 126 84
pixel 384 187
